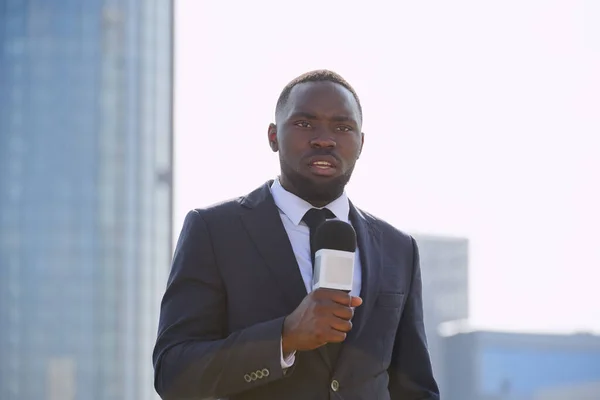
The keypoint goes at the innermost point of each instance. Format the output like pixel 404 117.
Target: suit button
pixel 335 385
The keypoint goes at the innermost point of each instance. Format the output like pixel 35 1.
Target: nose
pixel 323 140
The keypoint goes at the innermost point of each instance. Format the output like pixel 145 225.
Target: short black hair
pixel 319 75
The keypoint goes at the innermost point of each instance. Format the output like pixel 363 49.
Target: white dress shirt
pixel 292 210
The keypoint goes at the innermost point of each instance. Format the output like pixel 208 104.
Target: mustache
pixel 323 152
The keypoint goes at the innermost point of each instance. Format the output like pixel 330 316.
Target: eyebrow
pixel 336 118
pixel 302 114
pixel 342 118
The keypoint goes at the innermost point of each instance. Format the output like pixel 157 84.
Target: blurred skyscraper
pixel 489 365
pixel 85 195
pixel 445 276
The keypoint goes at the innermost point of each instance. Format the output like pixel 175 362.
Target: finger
pixel 341 325
pixel 335 336
pixel 326 293
pixel 347 300
pixel 341 297
pixel 343 312
pixel 355 301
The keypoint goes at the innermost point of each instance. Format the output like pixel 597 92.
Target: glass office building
pixel 485 365
pixel 445 277
pixel 85 195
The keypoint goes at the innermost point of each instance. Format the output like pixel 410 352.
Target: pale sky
pixel 481 119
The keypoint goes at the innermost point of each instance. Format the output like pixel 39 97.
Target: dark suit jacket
pixel 233 280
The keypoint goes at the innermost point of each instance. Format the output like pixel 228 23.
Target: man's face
pixel 318 137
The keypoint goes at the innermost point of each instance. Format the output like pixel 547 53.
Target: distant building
pixel 586 391
pixel 85 195
pixel 445 276
pixel 486 365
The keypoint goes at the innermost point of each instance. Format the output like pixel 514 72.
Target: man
pixel 239 318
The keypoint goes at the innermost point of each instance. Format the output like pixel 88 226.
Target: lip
pixel 329 159
pixel 322 171
pixel 325 171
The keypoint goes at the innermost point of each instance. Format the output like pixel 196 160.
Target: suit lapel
pixel 263 223
pixel 369 245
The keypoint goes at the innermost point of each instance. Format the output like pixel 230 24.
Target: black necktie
pixel 314 218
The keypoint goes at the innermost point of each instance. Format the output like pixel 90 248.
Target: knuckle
pixel 319 334
pixel 320 308
pixel 339 296
pixel 347 313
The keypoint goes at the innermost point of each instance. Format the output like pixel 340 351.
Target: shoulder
pixel 219 211
pixel 387 230
pixel 211 220
pixel 221 208
pixel 398 248
pixel 233 207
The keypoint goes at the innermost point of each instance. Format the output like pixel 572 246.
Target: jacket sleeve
pixel 194 357
pixel 410 372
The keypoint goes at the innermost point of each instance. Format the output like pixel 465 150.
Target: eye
pixel 303 124
pixel 344 128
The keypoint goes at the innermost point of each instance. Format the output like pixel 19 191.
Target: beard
pixel 313 191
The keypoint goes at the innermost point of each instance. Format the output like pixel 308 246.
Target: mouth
pixel 323 166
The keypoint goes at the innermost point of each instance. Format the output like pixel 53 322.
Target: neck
pixel 317 204
pixel 312 200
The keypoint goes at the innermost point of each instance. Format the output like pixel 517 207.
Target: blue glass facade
pixel 85 195
pixel 487 365
pixel 524 372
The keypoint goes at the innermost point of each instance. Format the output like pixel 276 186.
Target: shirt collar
pixel 294 207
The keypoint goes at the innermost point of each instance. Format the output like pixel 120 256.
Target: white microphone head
pixel 335 244
pixel 334 269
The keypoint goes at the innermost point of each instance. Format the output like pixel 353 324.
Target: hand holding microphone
pixel 324 316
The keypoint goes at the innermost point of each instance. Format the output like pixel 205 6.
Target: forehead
pixel 322 98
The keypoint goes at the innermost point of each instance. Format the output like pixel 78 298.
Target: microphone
pixel 335 245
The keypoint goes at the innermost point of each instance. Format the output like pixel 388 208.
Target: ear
pixel 362 142
pixel 272 137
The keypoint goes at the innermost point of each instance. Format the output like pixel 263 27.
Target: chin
pixel 322 179
pixel 313 187
pixel 324 188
